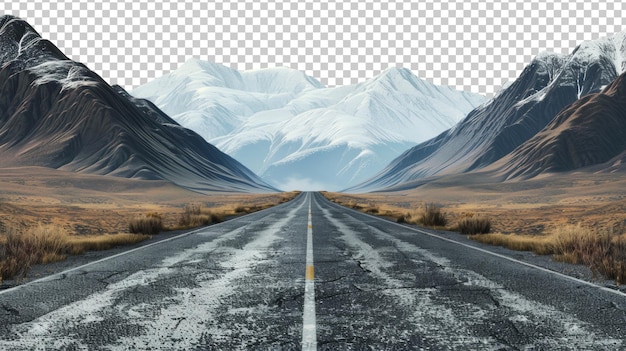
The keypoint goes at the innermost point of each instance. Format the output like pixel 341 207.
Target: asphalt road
pixel 310 275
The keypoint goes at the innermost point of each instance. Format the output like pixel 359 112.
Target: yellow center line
pixel 310 272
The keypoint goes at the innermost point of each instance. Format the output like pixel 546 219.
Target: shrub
pixel 24 248
pixel 432 216
pixel 151 223
pixel 601 250
pixel 191 216
pixel 372 210
pixel 41 244
pixel 474 225
pixel 194 215
pixel 215 217
pixel 193 208
pixel 401 219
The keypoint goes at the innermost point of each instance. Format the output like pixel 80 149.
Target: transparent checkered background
pixel 474 45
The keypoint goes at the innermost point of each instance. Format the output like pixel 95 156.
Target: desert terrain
pixel 91 204
pixel 531 207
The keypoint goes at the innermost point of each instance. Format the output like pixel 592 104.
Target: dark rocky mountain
pixel 57 113
pixel 589 132
pixel 548 84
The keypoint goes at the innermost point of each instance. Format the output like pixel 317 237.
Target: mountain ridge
pixel 357 128
pixel 57 113
pixel 548 84
pixel 589 132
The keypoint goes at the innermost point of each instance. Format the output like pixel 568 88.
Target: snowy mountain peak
pixel 398 78
pixel 612 47
pixel 603 45
pixel 396 72
pixel 204 73
pixel 279 80
pixel 22 48
pixel 489 133
pixel 288 128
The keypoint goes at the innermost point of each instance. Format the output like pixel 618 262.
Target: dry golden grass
pixel 601 250
pixel 473 225
pixel 364 205
pixel 95 209
pixel 90 204
pixel 432 216
pixel 525 214
pixel 426 214
pixel 150 223
pixel 83 243
pixel 196 214
pixel 540 244
pixel 22 248
pixel 530 207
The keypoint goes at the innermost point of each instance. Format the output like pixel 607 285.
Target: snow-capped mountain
pixel 517 113
pixel 295 133
pixel 57 113
pixel 589 132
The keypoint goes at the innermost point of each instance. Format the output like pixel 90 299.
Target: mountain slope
pixel 56 113
pixel 591 131
pixel 290 130
pixel 547 85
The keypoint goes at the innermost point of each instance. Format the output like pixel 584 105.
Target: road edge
pixel 423 231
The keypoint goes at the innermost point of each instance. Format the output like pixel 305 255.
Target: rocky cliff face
pixel 591 131
pixel 57 113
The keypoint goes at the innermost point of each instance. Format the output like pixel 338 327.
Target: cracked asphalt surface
pixel 378 285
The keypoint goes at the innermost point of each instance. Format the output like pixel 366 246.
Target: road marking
pixel 309 332
pixel 559 274
pixel 56 276
pixel 584 282
pixel 310 275
pixel 171 323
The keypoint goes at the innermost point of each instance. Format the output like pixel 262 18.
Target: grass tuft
pixel 536 243
pixel 80 244
pixel 401 219
pixel 23 248
pixel 603 251
pixel 41 244
pixel 372 210
pixel 433 216
pixel 474 225
pixel 195 215
pixel 151 223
